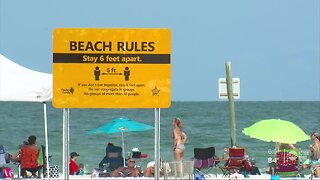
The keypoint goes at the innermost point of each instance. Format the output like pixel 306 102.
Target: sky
pixel 273 45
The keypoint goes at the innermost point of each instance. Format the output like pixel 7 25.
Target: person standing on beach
pixel 313 160
pixel 315 153
pixel 179 139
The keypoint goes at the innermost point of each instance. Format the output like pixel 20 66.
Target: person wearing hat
pixel 149 171
pixel 73 166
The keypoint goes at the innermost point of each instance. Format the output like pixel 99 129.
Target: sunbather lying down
pixel 129 171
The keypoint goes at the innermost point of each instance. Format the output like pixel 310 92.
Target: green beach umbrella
pixel 276 130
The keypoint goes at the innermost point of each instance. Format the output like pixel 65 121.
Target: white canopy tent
pixel 18 83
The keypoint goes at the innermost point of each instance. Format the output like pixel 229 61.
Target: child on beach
pixel 81 169
pixel 73 166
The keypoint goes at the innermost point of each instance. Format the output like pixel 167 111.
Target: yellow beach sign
pixel 111 68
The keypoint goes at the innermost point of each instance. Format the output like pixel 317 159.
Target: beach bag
pixel 7 173
pixel 54 172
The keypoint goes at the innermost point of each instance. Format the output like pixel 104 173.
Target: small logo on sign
pixel 67 91
pixel 155 91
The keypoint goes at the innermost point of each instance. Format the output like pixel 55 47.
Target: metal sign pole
pixel 65 139
pixel 157 144
pixel 46 136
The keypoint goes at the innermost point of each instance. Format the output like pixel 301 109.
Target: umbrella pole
pixel 123 151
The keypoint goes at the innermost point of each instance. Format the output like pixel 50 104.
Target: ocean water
pixel 205 123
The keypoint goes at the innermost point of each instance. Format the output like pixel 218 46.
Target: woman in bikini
pixel 179 139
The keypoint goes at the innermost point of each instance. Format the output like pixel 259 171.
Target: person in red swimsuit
pixel 73 166
pixel 29 158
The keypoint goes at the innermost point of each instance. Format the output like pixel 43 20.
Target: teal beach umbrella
pixel 276 130
pixel 121 125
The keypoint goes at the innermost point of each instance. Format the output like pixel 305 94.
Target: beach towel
pixel 7 173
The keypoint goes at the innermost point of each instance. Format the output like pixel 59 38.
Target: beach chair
pixel 287 163
pixel 42 160
pixel 112 160
pixel 236 162
pixel 205 159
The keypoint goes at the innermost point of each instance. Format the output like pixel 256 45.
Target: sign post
pixel 230 93
pixel 157 143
